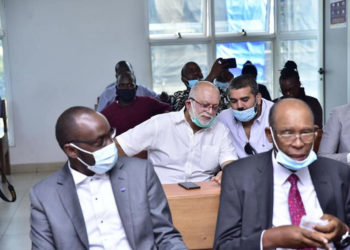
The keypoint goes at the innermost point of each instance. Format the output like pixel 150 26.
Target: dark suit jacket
pixel 246 201
pixel 57 220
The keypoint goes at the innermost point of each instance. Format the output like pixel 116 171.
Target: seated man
pixel 97 201
pixel 335 141
pixel 264 197
pixel 250 69
pixel 291 88
pixel 247 117
pixel 109 95
pixel 130 110
pixel 191 74
pixel 186 145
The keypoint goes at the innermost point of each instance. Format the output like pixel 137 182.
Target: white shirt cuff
pixel 261 238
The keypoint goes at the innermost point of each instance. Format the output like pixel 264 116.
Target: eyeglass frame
pixel 112 133
pixel 249 149
pixel 214 107
pixel 294 136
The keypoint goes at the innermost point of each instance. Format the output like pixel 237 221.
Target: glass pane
pixel 235 15
pixel 259 53
pixel 171 17
pixel 305 54
pixel 297 15
pixel 167 62
pixel 2 72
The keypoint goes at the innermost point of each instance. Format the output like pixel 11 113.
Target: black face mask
pixel 126 95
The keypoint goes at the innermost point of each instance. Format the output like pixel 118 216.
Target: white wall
pixel 62 53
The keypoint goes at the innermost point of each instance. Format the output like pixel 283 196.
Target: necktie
pixel 295 203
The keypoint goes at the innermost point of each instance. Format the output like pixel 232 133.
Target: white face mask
pixel 105 158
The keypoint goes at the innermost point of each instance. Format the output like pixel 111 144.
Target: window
pixel 266 32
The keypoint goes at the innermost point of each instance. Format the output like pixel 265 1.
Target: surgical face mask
pixel 191 83
pixel 105 158
pixel 291 164
pixel 245 115
pixel 126 95
pixel 195 118
pixel 221 85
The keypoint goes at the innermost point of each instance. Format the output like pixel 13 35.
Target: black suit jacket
pixel 246 201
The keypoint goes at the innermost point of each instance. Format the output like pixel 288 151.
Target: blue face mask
pixel 245 115
pixel 191 83
pixel 221 85
pixel 105 158
pixel 195 119
pixel 291 164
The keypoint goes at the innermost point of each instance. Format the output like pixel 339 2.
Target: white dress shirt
pixel 281 188
pixel 258 139
pixel 177 153
pixel 104 227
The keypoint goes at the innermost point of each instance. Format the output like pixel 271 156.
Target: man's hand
pixel 334 230
pixel 293 237
pixel 217 178
pixel 218 67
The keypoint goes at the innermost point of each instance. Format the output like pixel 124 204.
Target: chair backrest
pixel 3 113
pixel 318 140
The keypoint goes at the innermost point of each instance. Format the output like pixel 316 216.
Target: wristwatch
pixel 345 240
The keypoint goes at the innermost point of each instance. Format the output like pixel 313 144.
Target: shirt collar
pixel 79 178
pixel 283 173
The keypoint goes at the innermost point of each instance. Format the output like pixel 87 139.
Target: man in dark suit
pixel 97 200
pixel 263 197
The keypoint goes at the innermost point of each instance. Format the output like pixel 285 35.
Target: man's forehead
pixel 293 113
pixel 241 92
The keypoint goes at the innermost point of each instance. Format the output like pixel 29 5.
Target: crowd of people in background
pixel 221 128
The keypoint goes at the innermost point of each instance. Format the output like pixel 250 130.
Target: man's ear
pixel 70 151
pixel 188 104
pixel 258 98
pixel 268 134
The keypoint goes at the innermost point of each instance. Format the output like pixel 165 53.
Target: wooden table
pixel 194 212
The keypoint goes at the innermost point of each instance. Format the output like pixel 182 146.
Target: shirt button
pixel 96 199
pixel 101 221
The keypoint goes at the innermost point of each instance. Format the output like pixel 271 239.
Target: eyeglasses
pixel 249 149
pixel 289 137
pixel 98 142
pixel 215 107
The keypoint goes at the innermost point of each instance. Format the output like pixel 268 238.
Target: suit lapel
pixel 323 188
pixel 264 189
pixel 68 195
pixel 121 191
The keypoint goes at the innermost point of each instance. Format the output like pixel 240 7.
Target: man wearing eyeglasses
pixel 186 145
pixel 286 197
pixel 247 117
pixel 97 200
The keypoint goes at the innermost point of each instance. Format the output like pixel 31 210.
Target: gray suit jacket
pixel 57 220
pixel 335 141
pixel 246 201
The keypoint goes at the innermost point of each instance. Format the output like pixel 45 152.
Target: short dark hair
pixel 184 68
pixel 243 81
pixel 66 123
pixel 124 64
pixel 249 69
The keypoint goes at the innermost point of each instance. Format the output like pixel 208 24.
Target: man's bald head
pixel 204 86
pixel 67 126
pixel 289 107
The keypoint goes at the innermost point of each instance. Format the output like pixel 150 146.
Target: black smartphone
pixel 230 62
pixel 189 185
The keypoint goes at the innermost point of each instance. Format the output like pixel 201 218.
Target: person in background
pixel 249 68
pixel 130 110
pixel 264 197
pixel 98 200
pixel 335 142
pixel 291 88
pixel 248 117
pixel 191 73
pixel 109 94
pixel 185 145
